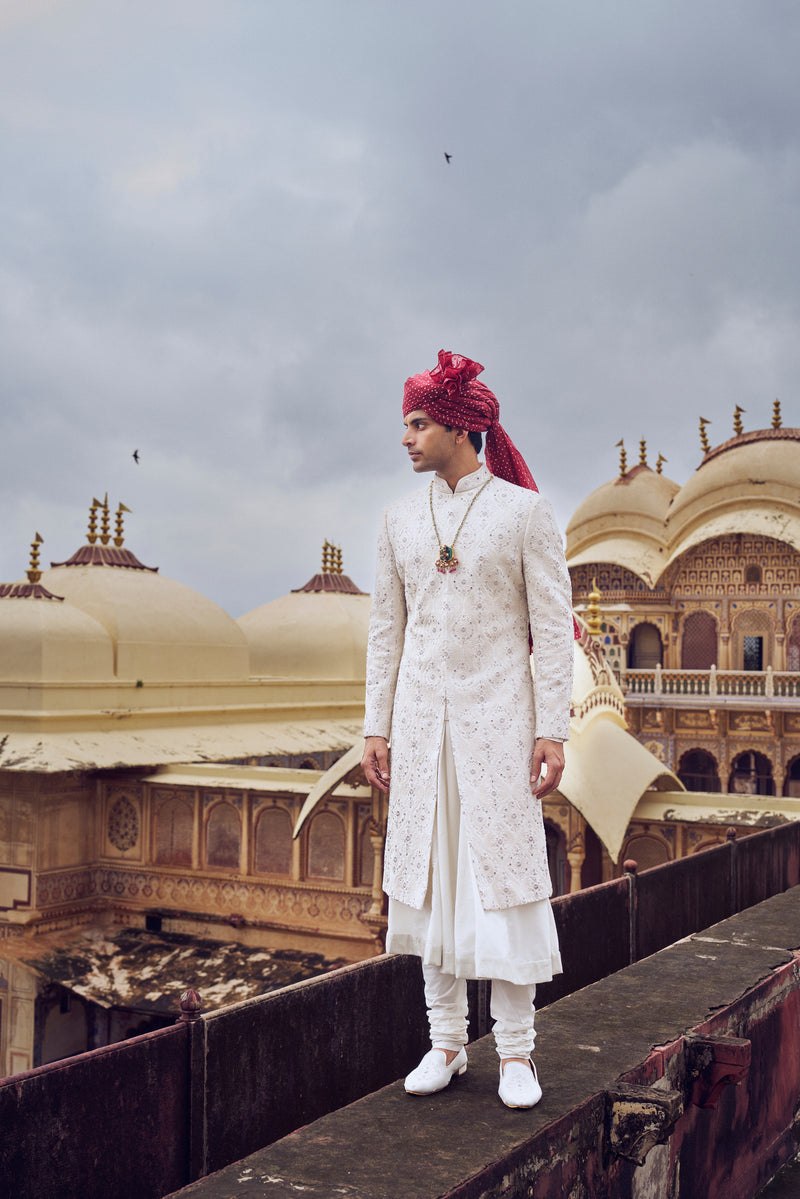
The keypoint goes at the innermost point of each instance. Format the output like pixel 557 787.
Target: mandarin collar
pixel 466 483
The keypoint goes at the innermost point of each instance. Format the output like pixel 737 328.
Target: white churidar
pixel 511 1011
pixel 455 647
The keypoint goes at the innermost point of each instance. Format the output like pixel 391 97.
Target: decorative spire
pixel 704 442
pixel 105 523
pixel 738 427
pixel 119 539
pixel 593 621
pixel 331 559
pixel 776 414
pixel 91 536
pixel 33 589
pixel 642 452
pixel 332 577
pixel 623 457
pixel 103 554
pixel 660 460
pixel 34 574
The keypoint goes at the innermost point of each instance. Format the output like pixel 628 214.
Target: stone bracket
pixel 713 1064
pixel 637 1118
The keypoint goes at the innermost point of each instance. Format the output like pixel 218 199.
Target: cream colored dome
pixel 309 635
pixel 42 640
pixel 160 630
pixel 747 485
pixel 623 522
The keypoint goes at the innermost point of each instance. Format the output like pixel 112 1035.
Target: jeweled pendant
pixel 447 562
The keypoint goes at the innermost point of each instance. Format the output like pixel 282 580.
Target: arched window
pixel 173 835
pixel 326 847
pixel 556 857
pixel 791 785
pixel 644 647
pixel 366 856
pixel 223 837
pixel 753 641
pixel 647 851
pixel 699 642
pixel 592 868
pixel 751 774
pixel 697 771
pixel 273 848
pixel 752 574
pixel 793 646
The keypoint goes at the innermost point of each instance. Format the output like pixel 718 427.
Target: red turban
pixel 451 395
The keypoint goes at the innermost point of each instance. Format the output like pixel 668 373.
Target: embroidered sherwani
pixel 454 647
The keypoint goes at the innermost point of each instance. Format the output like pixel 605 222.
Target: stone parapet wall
pixel 258 1069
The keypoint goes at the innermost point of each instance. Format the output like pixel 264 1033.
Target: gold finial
pixel 660 460
pixel 91 536
pixel 33 573
pixel 331 559
pixel 642 452
pixel 776 414
pixel 738 427
pixel 105 523
pixel 704 443
pixel 623 457
pixel 593 621
pixel 119 539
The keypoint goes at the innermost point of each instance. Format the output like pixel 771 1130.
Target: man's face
pixel 430 445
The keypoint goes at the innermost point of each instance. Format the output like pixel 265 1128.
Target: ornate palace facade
pixel 699 595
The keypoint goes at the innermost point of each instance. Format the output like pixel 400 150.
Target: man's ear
pixel 461 436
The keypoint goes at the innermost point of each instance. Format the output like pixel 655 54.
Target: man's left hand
pixel 550 754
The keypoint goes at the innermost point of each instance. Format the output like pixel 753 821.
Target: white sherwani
pixel 455 647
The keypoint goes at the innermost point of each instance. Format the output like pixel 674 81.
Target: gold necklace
pixel 447 562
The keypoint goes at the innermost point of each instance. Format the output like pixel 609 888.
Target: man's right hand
pixel 375 763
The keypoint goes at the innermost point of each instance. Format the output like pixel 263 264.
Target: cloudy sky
pixel 228 232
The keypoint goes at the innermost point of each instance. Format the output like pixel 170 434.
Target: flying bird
pixel 447 156
pixel 135 456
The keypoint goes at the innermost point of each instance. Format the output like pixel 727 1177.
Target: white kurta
pixel 455 646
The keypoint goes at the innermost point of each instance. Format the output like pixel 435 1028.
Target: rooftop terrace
pixel 306 1077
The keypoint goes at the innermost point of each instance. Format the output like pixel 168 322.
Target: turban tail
pixel 451 395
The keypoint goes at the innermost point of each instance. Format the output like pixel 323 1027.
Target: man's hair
pixel 476 439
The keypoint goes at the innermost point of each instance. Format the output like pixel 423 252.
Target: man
pixel 468 569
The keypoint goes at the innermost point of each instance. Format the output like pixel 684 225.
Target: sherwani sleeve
pixel 387 624
pixel 550 609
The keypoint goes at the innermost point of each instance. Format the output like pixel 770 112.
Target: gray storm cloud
pixel 230 232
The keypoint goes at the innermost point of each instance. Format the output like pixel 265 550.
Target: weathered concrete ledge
pixel 738 980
